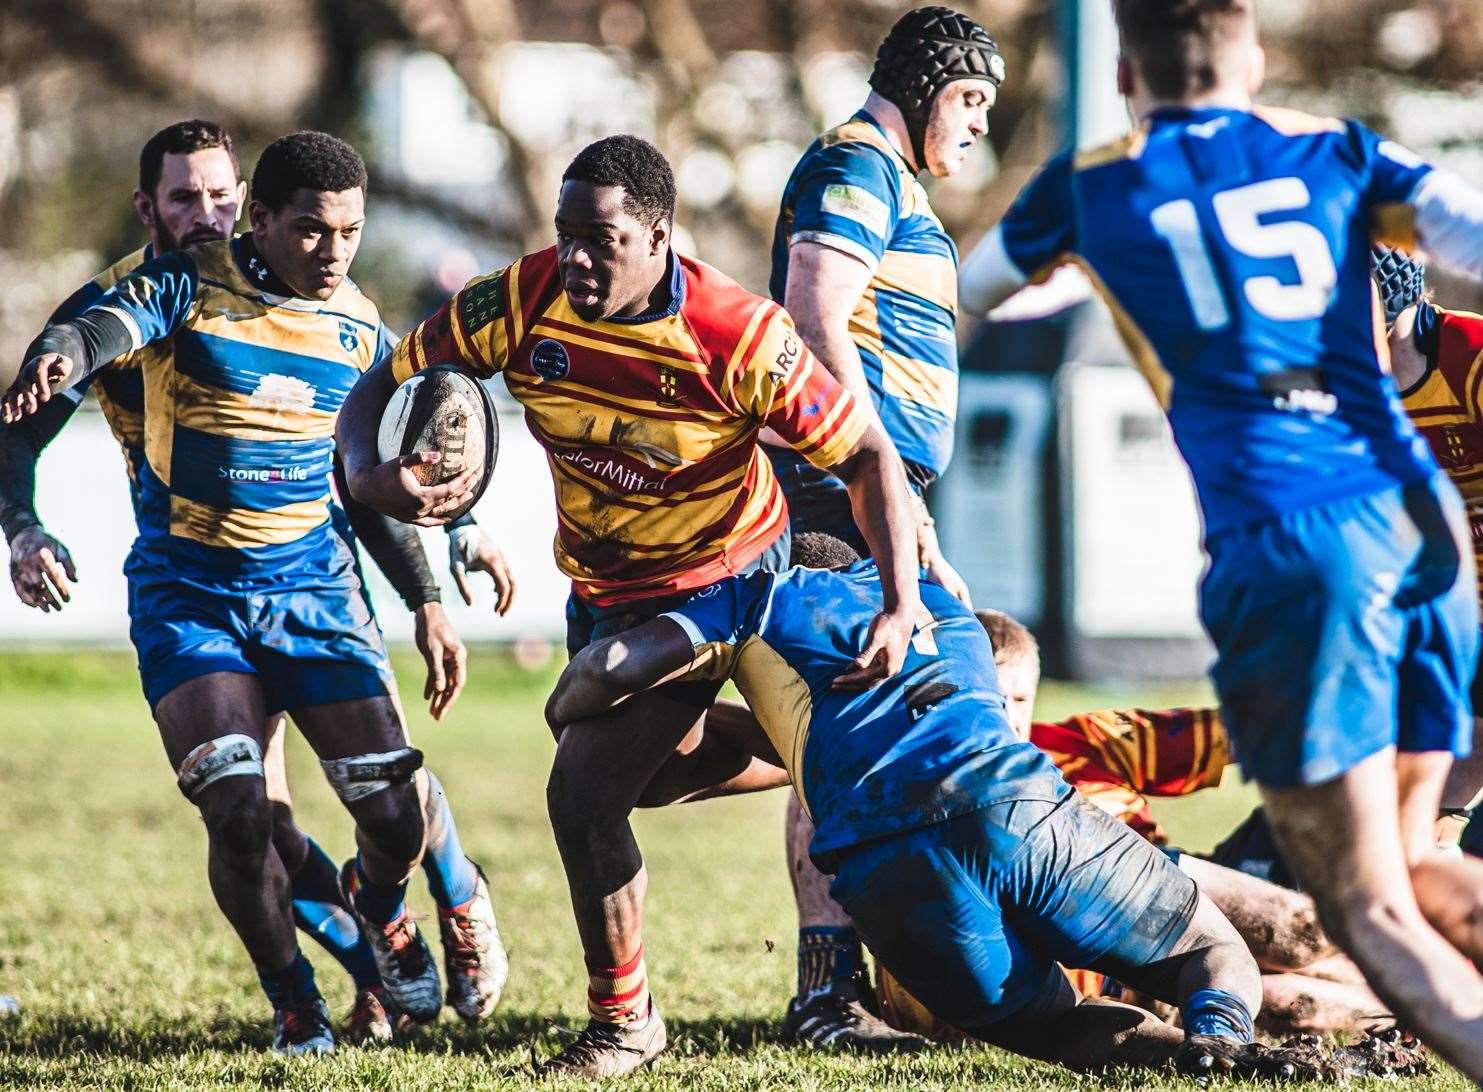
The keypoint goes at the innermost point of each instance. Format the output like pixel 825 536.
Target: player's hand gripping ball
pixel 446 409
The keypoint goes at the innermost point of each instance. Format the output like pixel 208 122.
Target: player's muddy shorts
pixel 818 501
pixel 972 915
pixel 305 632
pixel 586 623
pixel 1344 629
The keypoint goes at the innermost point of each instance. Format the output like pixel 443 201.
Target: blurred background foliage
pixel 468 110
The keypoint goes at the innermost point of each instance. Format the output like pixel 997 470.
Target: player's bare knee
pixel 239 819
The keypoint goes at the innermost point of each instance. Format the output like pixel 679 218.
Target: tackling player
pixel 865 268
pixel 243 597
pixel 1232 243
pixel 190 192
pixel 647 376
pixel 967 862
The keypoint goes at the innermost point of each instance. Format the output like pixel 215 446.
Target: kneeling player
pixel 967 862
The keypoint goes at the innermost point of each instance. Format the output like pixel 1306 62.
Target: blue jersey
pixel 240 414
pixel 1233 250
pixel 852 191
pixel 929 743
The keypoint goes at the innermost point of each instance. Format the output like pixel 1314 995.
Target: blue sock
pixel 1219 1013
pixel 378 903
pixel 451 876
pixel 828 957
pixel 318 911
pixel 291 985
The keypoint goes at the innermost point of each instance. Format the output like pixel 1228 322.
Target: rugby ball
pixel 442 408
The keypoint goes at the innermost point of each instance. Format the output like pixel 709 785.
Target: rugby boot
pixel 371 1018
pixel 609 1050
pixel 1205 1056
pixel 473 956
pixel 835 1019
pixel 1388 1053
pixel 303 1028
pixel 405 962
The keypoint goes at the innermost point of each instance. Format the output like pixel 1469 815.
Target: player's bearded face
pixel 310 242
pixel 610 261
pixel 960 115
pixel 197 199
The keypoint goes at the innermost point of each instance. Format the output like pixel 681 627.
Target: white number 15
pixel 1239 212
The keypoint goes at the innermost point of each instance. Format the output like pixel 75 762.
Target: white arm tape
pixel 1449 222
pixel 463 545
pixel 988 276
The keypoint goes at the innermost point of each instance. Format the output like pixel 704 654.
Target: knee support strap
pixel 235 755
pixel 360 776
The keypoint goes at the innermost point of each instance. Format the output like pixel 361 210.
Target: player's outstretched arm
pixel 884 511
pixel 607 672
pixel 390 487
pixel 40 565
pixel 1449 222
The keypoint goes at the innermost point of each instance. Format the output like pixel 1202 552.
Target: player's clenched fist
pixel 41 570
pixel 39 378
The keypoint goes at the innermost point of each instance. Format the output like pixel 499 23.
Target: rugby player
pixel 967 862
pixel 1232 244
pixel 647 376
pixel 1434 356
pixel 190 192
pixel 865 268
pixel 243 596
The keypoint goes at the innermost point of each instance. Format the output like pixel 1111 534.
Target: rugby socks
pixel 290 986
pixel 380 904
pixel 619 995
pixel 451 876
pixel 320 912
pixel 828 958
pixel 1219 1013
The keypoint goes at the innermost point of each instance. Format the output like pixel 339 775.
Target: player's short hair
pixel 307 160
pixel 817 550
pixel 1008 636
pixel 182 138
pixel 1178 46
pixel 634 164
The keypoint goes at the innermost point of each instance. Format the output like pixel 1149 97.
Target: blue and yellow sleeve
pixel 719 619
pixel 847 198
pixel 1040 227
pixel 155 299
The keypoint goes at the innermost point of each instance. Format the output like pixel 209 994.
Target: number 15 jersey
pixel 1232 248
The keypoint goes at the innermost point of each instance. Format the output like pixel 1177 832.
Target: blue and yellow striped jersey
pixel 240 415
pixel 929 743
pixel 120 385
pixel 852 191
pixel 1233 248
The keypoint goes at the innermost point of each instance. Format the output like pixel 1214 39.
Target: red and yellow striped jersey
pixel 1445 404
pixel 649 424
pixel 1119 758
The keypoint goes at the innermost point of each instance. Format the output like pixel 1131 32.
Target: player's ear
pixel 241 194
pixel 257 215
pixel 1258 73
pixel 144 208
pixel 659 235
pixel 1124 75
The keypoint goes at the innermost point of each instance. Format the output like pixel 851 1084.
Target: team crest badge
pixel 349 337
pixel 549 360
pixel 669 384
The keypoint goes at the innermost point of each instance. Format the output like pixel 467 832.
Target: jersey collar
pixel 274 291
pixel 676 273
pixel 865 115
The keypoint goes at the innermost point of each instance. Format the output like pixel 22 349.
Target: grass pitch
pixel 130 978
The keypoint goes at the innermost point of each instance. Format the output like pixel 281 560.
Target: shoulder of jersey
pixel 1296 122
pixel 120 269
pixel 718 310
pixel 217 262
pixel 859 137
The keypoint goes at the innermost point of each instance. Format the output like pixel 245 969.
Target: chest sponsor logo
pixel 606 469
pixel 349 337
pixel 266 474
pixel 549 360
pixel 287 393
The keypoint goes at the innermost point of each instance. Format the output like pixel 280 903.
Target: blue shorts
pixel 818 501
pixel 307 633
pixel 586 623
pixel 973 914
pixel 1344 629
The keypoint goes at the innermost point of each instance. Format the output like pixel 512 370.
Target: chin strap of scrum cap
pixel 926 50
